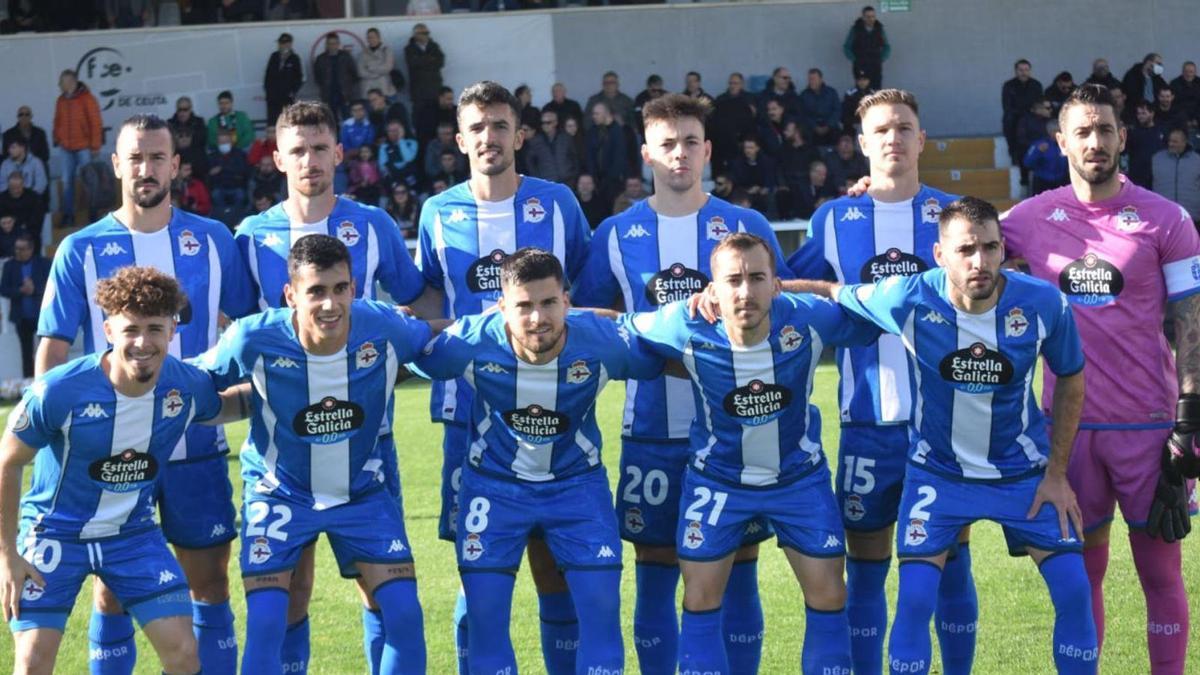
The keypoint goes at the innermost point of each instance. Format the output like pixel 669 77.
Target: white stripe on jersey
pixel 560 236
pixel 760 444
pixel 132 426
pixel 589 449
pixel 680 245
pixel 1026 443
pixel 215 280
pixel 689 362
pixel 971 420
pixel 368 291
pixel 893 229
pixel 475 453
pixel 329 472
pixel 616 263
pixel 90 278
pixel 65 430
pixel 252 260
pixel 810 446
pixel 495 229
pixel 439 245
pixel 535 385
pixel 271 457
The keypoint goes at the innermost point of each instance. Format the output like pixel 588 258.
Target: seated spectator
pixel 34 136
pixel 185 118
pixel 1033 125
pixel 781 89
pixel 1102 76
pixel 816 191
pixel 562 106
pixel 266 178
pixel 398 156
pixel 574 131
pixel 356 129
pixel 10 230
pixel 129 13
pixel 552 153
pixel 820 110
pixel 23 205
pixel 23 282
pixel 692 87
pixel 437 186
pixel 862 89
pixel 365 179
pixel 381 112
pixel 846 163
pixel 193 195
pixel 607 156
pixel 23 16
pixel 1059 90
pixel 1176 173
pixel 237 11
pixel 770 130
pixel 235 122
pixel 1186 88
pixel 227 176
pixel 635 191
pixel 1124 112
pixel 594 207
pixel 733 118
pixel 429 118
pixel 522 153
pixel 1142 141
pixel 284 10
pixel 263 147
pixel 433 151
pixel 448 169
pixel 262 202
pixel 755 173
pixel 405 210
pixel 1046 163
pixel 31 168
pixel 654 89
pixel 530 114
pixel 723 185
pixel 1167 113
pixel 192 152
pixel 739 197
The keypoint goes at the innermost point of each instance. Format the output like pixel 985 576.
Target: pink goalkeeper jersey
pixel 1119 262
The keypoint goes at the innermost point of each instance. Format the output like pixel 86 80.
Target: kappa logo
pixel 853 213
pixel 218 530
pixel 172 404
pixel 494 368
pixel 271 240
pixel 606 552
pixel 112 248
pixel 533 210
pixel 283 362
pixel 1015 323
pixel 754 527
pixel 831 542
pixel 706 345
pixel 457 216
pixel 1058 216
pixel 396 546
pixel 94 411
pixel 636 231
pixel 189 245
pixel 166 577
pixel 578 372
pixel 935 318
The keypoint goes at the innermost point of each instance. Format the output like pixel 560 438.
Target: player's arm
pixel 64 308
pixel 235 405
pixel 51 352
pixel 430 304
pixel 14 455
pixel 1054 488
pixel 825 289
pixel 886 304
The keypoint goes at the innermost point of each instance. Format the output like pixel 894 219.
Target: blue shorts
pixel 390 467
pixel 715 517
pixel 934 509
pixel 195 503
pixel 870 475
pixel 573 515
pixel 455 438
pixel 369 529
pixel 139 568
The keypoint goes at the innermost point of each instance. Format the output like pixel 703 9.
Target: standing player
pixel 1123 256
pixel 323 372
pixel 978 444
pixel 465 234
pixel 756 448
pixel 534 460
pixel 889 231
pixel 100 428
pixel 195 497
pixel 308 154
pixel 654 253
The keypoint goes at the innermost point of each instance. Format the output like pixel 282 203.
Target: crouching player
pixel 979 441
pixel 322 372
pixel 101 428
pixel 533 465
pixel 756 446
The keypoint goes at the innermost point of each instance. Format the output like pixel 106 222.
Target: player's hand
pixel 703 302
pixel 14 570
pixel 860 188
pixel 1181 444
pixel 1054 489
pixel 406 311
pixel 1169 519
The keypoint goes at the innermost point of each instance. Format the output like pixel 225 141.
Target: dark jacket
pixel 568 108
pixel 1134 85
pixel 788 99
pixel 234 171
pixel 424 70
pixel 1108 81
pixel 731 120
pixel 553 160
pixel 10 285
pixel 347 75
pixel 820 108
pixel 1016 97
pixel 381 118
pixel 36 141
pixel 26 209
pixel 283 77
pixel 1140 145
pixel 866 46
pixel 850 106
pixel 1187 97
pixel 762 173
pixel 195 124
pixel 606 158
pixel 794 162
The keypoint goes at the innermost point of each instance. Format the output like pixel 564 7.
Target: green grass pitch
pixel 1015 612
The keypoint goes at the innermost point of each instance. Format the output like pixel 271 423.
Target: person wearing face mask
pixel 227 176
pixel 283 78
pixel 1143 79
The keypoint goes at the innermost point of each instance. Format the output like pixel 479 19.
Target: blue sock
pixel 215 638
pixel 111 649
pixel 866 609
pixel 1076 649
pixel 957 614
pixel 701 649
pixel 372 621
pixel 404 627
pixel 560 632
pixel 601 649
pixel 460 632
pixel 295 649
pixel 266 624
pixel 742 618
pixel 489 610
pixel 826 642
pixel 655 620
pixel 909 649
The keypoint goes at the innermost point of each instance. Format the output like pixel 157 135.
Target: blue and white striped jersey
pixel 648 260
pixel 317 419
pixel 377 251
pixel 197 252
pixel 859 240
pixel 462 241
pixel 536 422
pixel 754 425
pixel 975 415
pixel 100 452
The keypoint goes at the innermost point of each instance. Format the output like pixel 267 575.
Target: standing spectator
pixel 862 89
pixel 1167 113
pixel 1187 92
pixel 770 131
pixel 820 109
pixel 186 119
pixel 9 231
pixel 1017 96
pixel 1045 161
pixel 30 168
pixel 574 132
pixel 240 11
pixel 191 149
pixel 375 66
pixel 283 77
pixel 594 207
pixel 404 208
pixel 193 195
pixel 1144 79
pixel 197 12
pixel 444 111
pixel 285 10
pixel 365 179
pixel 1142 141
pixel 265 178
pixel 236 122
pixel 435 148
pixel 619 106
pixel 1101 75
pixel 562 106
pixel 263 147
pixel 654 89
pixel 1176 173
pixel 782 89
pixel 795 157
pixel 336 75
pixel 867 47
pixel 755 173
pixel 398 156
pixel 23 205
pixel 692 87
pixel 34 137
pixel 1059 90
pixel 846 163
pixel 635 190
pixel 606 159
pixel 78 132
pixel 530 114
pixel 815 191
pixel 23 282
pixel 356 129
pixel 381 112
pixel 23 16
pixel 227 175
pixel 425 61
pixel 552 153
pixel 129 13
pixel 732 119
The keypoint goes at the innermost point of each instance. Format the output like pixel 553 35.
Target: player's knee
pixel 827 595
pixel 33 658
pixel 701 596
pixel 300 590
pixel 106 602
pixel 180 655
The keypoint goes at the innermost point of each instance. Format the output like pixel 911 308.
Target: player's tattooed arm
pixel 14 455
pixel 1186 313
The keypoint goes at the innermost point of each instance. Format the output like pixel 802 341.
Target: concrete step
pixel 987 184
pixel 959 153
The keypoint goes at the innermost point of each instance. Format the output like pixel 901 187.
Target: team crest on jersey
pixel 757 402
pixel 472 547
pixel 693 537
pixel 533 210
pixel 188 243
pixel 260 551
pixel 716 229
pixel 1015 323
pixel 20 420
pixel 128 471
pixel 347 233
pixel 634 522
pixel 790 339
pixel 915 534
pixel 930 210
pixel 32 591
pixel 578 372
pixel 172 404
pixel 1128 219
pixel 366 355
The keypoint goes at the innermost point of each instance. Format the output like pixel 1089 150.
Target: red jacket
pixel 77 123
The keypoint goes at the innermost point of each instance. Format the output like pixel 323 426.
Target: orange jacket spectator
pixel 77 123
